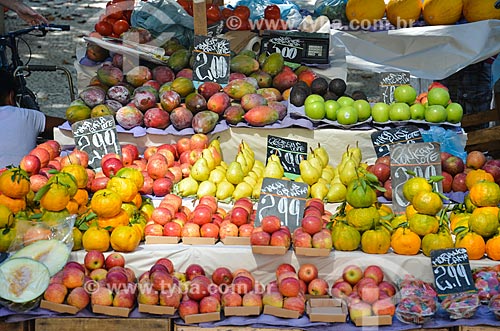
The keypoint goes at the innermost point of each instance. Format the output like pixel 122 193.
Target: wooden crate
pixel 477 328
pixel 108 324
pixel 248 328
pixel 16 326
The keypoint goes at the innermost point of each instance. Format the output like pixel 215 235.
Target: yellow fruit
pixel 110 223
pixel 106 203
pixel 403 13
pixel 405 242
pixel 124 238
pixel 56 198
pixel 14 183
pixel 484 221
pixel 81 196
pixel 428 203
pixel 474 10
pixel 442 12
pixel 125 187
pixel 95 238
pixel 476 176
pixel 345 237
pixel 363 219
pixel 473 243
pixel 434 241
pixel 423 224
pixel 376 241
pixel 79 172
pixel 485 194
pixel 7 236
pixel 77 239
pixel 6 216
pixel 365 12
pixel 415 185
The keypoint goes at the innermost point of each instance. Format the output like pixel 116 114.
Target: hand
pixel 25 12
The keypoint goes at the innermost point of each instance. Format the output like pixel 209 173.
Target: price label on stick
pixel 388 83
pixel 451 269
pixel 97 136
pixel 290 48
pixel 283 198
pixel 424 159
pixel 211 59
pixel 290 152
pixel 401 135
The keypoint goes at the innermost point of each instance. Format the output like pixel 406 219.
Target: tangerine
pixel 493 248
pixel 15 205
pixel 14 183
pixel 79 173
pixel 473 243
pixel 485 194
pixel 81 196
pixel 125 188
pixel 405 242
pixel 415 185
pixel 132 173
pixel 112 222
pixel 433 241
pixel 67 179
pixel 124 238
pixel 363 219
pixel 95 238
pixel 359 195
pixel 345 237
pixel 476 176
pixel 377 241
pixel 56 198
pixel 484 221
pixel 423 224
pixel 428 203
pixel 106 203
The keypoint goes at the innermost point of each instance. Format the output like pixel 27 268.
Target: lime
pixel 345 101
pixel 438 96
pixel 435 114
pixel 417 111
pixel 312 98
pixel 380 112
pixel 364 109
pixel 347 115
pixel 315 110
pixel 405 93
pixel 331 108
pixel 399 111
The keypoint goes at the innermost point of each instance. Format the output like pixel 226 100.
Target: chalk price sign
pixel 96 136
pixel 424 159
pixel 290 152
pixel 290 48
pixel 211 62
pixel 401 135
pixel 283 198
pixel 388 83
pixel 451 269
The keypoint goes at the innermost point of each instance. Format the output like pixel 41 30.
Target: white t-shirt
pixel 19 128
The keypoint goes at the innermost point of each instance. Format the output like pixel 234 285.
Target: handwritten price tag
pixel 290 48
pixel 290 152
pixel 451 269
pixel 401 135
pixel 283 198
pixel 211 62
pixel 388 83
pixel 96 136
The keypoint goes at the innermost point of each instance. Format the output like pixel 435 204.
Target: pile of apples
pixel 312 232
pixel 99 280
pixel 239 288
pixel 239 221
pixel 271 233
pixel 366 291
pixel 310 281
pixel 382 169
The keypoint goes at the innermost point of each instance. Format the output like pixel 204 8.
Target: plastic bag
pixel 333 9
pixel 289 10
pixel 165 19
pixel 451 140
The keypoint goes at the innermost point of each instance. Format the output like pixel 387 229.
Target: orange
pixel 79 173
pixel 415 185
pixel 81 196
pixel 428 203
pixel 124 238
pixel 484 221
pixel 398 220
pixel 56 198
pixel 376 241
pixel 434 241
pixel 485 194
pixel 72 206
pixel 405 242
pixel 129 208
pixel 410 211
pixel 131 173
pixel 15 205
pixel 423 224
pixel 67 179
pixel 459 219
pixel 14 183
pixel 473 243
pixel 137 200
pixel 95 238
pixel 345 237
pixel 106 203
pixel 363 219
pixel 476 176
pixel 493 248
pixel 125 188
pixel 109 223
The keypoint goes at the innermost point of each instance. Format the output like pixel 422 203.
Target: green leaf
pixel 41 192
pixel 411 172
pixel 53 171
pixel 90 216
pixel 387 226
pixel 458 230
pixel 436 179
pixel 371 177
pixel 5 231
pixel 36 216
pixel 83 227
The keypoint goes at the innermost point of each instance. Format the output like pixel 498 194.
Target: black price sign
pixel 211 60
pixel 401 135
pixel 290 152
pixel 451 269
pixel 388 83
pixel 290 48
pixel 96 136
pixel 283 198
pixel 424 159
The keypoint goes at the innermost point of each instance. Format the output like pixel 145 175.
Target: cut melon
pixel 53 253
pixel 23 279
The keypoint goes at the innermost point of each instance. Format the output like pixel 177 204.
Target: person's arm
pixel 50 123
pixel 24 11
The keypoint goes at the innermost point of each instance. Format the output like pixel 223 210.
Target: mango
pixel 237 88
pixel 195 102
pixel 93 96
pixel 75 113
pixel 248 52
pixel 270 93
pixel 263 78
pixel 179 60
pixel 244 64
pixel 284 80
pixel 234 114
pixel 279 107
pixel 249 101
pixel 181 118
pixel 171 46
pixel 118 93
pixel 218 102
pixel 207 89
pixel 273 64
pixel 183 86
pixel 261 116
pixel 204 121
pixel 163 74
pixel 186 73
pixel 109 75
pixel 138 76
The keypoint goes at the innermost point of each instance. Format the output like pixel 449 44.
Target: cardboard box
pixel 238 40
pixel 312 297
pixel 243 241
pixel 326 310
pixel 162 240
pixel 111 311
pixel 200 318
pixel 242 311
pixel 373 320
pixel 199 241
pixel 58 307
pixel 281 312
pixel 156 309
pixel 307 251
pixel 269 250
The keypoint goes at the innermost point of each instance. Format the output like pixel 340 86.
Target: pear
pixel 200 170
pixel 253 174
pixel 224 190
pixel 207 155
pixel 258 171
pixel 187 186
pixel 250 180
pixel 349 172
pixel 240 158
pixel 308 172
pixel 316 162
pixel 356 153
pixel 206 188
pixel 336 179
pixel 223 164
pixel 217 175
pixel 273 170
pixel 256 189
pixel 249 157
pixel 215 154
pixel 242 190
pixel 215 143
pixel 276 159
pixel 234 173
pixel 246 147
pixel 327 174
pixel 336 193
pixel 319 190
pixel 258 164
pixel 321 153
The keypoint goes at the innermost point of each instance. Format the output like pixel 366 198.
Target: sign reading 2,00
pixel 211 61
pixel 216 69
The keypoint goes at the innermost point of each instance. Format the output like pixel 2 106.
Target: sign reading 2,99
pixel 452 271
pixel 211 59
pixel 97 136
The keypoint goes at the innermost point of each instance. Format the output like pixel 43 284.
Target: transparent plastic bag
pixel 289 10
pixel 451 140
pixel 333 9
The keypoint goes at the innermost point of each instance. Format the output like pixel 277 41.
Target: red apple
pixel 31 164
pixel 341 289
pixel 194 270
pixel 239 216
pixel 199 140
pixel 191 229
pixel 260 238
pixel 352 274
pixel 284 267
pixel 374 272
pixel 312 224
pixel 382 171
pixel 270 223
pixel 209 230
pixel 114 259
pixel 222 275
pixel 458 184
pixel 322 239
pixel 446 182
pixel 231 299
pixel 280 238
pixel 111 166
pixel 209 304
pixel 384 307
pixel 93 259
pixel 188 307
pixel 307 272
pixel 172 229
pixel 167 263
pixel 153 229
pixel 318 286
pixel 387 287
pixel 294 303
pixel 302 239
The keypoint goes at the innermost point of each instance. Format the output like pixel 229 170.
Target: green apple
pixel 435 114
pixel 347 115
pixel 315 110
pixel 364 109
pixel 454 112
pixel 417 111
pixel 405 93
pixel 399 111
pixel 345 101
pixel 438 96
pixel 380 112
pixel 331 108
pixel 312 98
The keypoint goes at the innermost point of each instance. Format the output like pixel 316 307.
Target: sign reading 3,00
pixel 211 60
pixel 96 136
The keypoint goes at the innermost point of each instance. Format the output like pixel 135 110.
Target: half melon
pixel 23 280
pixel 52 253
